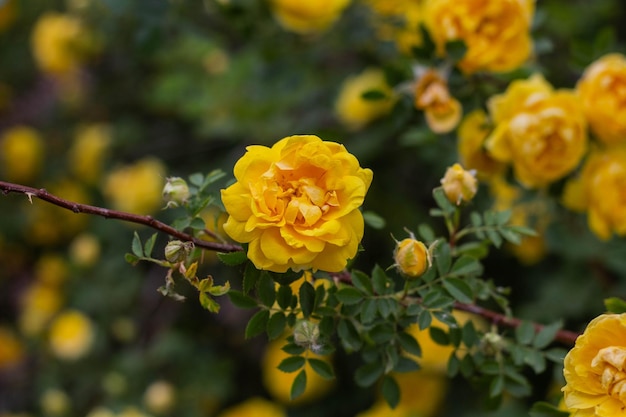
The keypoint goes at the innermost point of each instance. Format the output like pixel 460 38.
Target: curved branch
pixel 42 194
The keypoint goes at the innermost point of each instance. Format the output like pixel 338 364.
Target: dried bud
pixel 492 343
pixel 177 251
pixel 175 192
pixel 459 185
pixel 307 334
pixel 412 257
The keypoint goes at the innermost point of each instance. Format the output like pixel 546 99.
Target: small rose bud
pixel 175 192
pixel 412 257
pixel 492 343
pixel 459 185
pixel 177 251
pixel 306 334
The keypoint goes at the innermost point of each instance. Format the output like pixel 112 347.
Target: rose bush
pixel 297 204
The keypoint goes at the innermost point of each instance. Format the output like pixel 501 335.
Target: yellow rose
pixel 411 257
pixel 59 43
pixel 472 133
pixel 600 191
pixel 496 32
pixel 38 304
pixel 22 152
pixel 278 383
pixel 595 369
pixel 11 348
pixel 51 269
pixel 540 131
pixel 441 110
pixel 88 151
pixel 355 111
pixel 160 397
pixel 255 407
pixel 297 204
pixel 136 188
pixel 459 185
pixel 602 89
pixel 398 21
pixel 307 16
pixel 71 335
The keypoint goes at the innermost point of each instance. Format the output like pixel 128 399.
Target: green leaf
pixel 469 335
pixel 380 281
pixel 136 245
pixel 322 368
pixel 266 289
pixel 556 355
pixel 149 245
pixel 350 338
pixel 250 277
pixel 476 219
pixel 454 365
pixel 459 289
pixel 544 409
pixel 366 375
pixel 362 282
pixel 196 179
pixel 241 300
pixel 535 360
pixel 456 50
pixel 369 308
pixel 257 324
pixel 525 332
pixel 276 325
pixel 391 391
pixel 546 335
pixel 219 290
pixel 442 201
pixel 209 303
pixel 373 95
pixel 439 336
pixel 293 349
pixel 466 265
pixel 615 305
pixel 424 319
pixel 299 385
pixel 232 258
pixel 382 333
pixel 496 386
pixel 503 217
pixel 426 232
pixel 373 220
pixel 197 223
pixel 495 238
pixel 443 258
pixel 307 298
pixel 131 258
pixel 291 364
pixel 284 296
pixel 349 295
pixel 409 344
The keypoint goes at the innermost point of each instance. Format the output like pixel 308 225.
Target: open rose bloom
pixel 297 204
pixel 595 369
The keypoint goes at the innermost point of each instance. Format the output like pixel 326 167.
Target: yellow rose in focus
pixel 255 407
pixel 540 131
pixel 459 185
pixel 278 383
pixel 136 188
pixel 421 394
pixel 355 111
pixel 398 21
pixel 441 110
pixel 22 152
pixel 297 204
pixel 60 43
pixel 87 154
pixel 71 335
pixel 595 369
pixel 602 89
pixel 600 191
pixel 11 348
pixel 472 133
pixel 496 32
pixel 307 16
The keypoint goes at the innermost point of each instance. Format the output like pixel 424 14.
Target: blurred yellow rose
pixel 160 397
pixel 51 269
pixel 398 21
pixel 599 190
pixel 602 89
pixel 255 407
pixel 71 335
pixel 278 383
pixel 595 369
pixel 55 402
pixel 60 43
pixel 38 304
pixel 307 16
pixel 540 131
pixel 88 151
pixel 22 153
pixel 472 132
pixel 421 394
pixel 11 348
pixel 496 32
pixel 441 110
pixel 84 250
pixel 136 188
pixel 297 204
pixel 353 110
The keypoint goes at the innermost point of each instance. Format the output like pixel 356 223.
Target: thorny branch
pixel 42 194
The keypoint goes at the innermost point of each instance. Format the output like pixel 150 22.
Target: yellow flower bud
pixel 412 257
pixel 177 250
pixel 175 192
pixel 459 185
